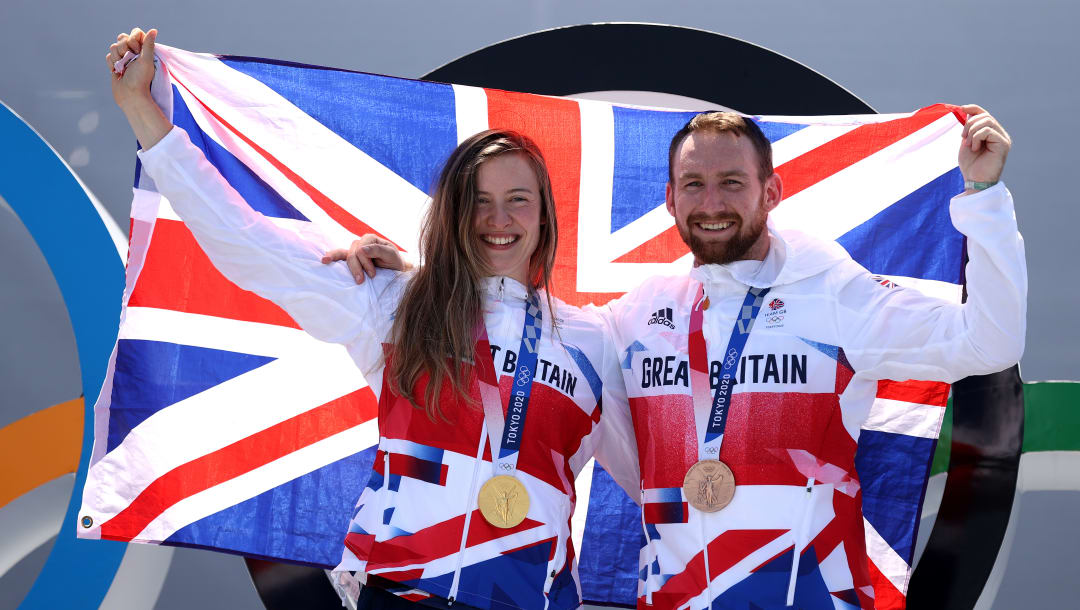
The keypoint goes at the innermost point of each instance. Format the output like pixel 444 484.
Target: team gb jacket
pixel 806 379
pixel 416 523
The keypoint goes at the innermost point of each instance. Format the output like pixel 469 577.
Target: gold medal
pixel 503 501
pixel 709 485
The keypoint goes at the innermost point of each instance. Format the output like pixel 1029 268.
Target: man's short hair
pixel 719 121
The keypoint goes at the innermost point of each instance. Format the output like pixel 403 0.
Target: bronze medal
pixel 709 485
pixel 503 501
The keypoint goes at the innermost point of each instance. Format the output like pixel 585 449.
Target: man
pixel 749 379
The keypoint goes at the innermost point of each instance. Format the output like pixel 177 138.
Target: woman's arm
pixel 251 250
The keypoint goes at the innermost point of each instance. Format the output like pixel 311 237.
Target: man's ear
pixel 669 199
pixel 774 191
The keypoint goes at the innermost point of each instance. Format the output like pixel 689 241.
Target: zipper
pixel 386 493
pixel 468 517
pixel 478 463
pixel 561 544
pixel 386 469
pixel 550 580
pixel 705 550
pixel 651 556
pixel 804 524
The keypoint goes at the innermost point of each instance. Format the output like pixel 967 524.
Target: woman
pixel 477 361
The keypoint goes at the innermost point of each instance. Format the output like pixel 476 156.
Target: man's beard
pixel 721 252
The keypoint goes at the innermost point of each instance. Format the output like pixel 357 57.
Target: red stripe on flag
pixel 854 146
pixel 402 575
pixel 807 169
pixel 933 393
pixel 178 276
pixel 337 213
pixel 886 595
pixel 555 125
pixel 239 458
pixel 666 247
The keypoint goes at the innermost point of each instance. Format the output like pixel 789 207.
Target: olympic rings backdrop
pixel 87 260
pixel 85 251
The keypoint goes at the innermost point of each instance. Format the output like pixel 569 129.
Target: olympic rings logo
pixel 523 376
pixel 732 356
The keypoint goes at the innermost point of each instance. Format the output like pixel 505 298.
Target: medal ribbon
pixel 714 412
pixel 511 425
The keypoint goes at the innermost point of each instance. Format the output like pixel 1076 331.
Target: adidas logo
pixel 662 316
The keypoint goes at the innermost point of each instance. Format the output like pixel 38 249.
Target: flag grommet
pixel 87 521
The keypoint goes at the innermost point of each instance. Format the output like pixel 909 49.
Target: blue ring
pixel 61 218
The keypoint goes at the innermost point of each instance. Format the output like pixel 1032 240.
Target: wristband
pixel 971 185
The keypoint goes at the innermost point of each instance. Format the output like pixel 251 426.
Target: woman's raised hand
pixel 136 77
pixel 131 90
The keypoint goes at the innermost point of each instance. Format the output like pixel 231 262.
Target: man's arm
pixel 984 149
pixel 617 449
pixel 368 253
pixel 901 334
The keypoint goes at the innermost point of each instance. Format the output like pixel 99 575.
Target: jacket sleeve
pixel 901 334
pixel 258 255
pixel 616 448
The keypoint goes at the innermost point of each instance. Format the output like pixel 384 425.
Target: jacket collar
pixel 793 256
pixel 503 288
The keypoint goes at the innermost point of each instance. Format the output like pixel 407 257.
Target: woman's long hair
pixel 434 328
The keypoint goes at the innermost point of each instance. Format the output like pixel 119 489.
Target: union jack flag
pixel 222 425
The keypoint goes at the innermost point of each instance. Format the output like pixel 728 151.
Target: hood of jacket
pixel 793 256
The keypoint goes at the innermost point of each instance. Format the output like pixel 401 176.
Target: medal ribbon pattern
pixel 715 411
pixel 504 455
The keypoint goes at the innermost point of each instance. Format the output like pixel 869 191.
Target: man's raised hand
pixel 985 146
pixel 367 253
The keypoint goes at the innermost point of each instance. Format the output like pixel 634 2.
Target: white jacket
pixel 827 332
pixel 410 522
